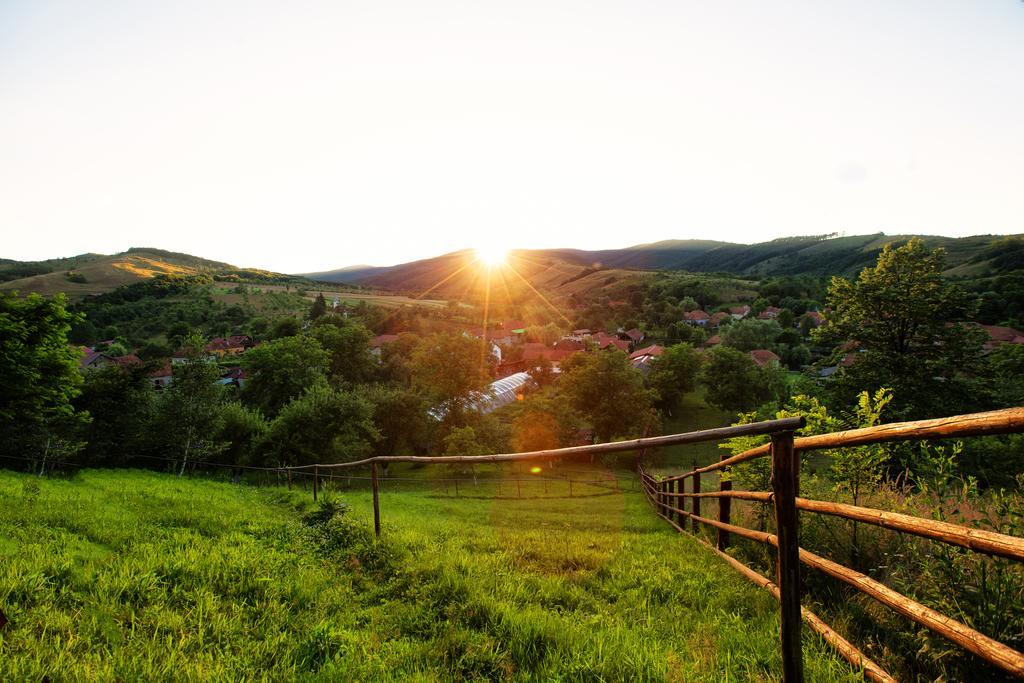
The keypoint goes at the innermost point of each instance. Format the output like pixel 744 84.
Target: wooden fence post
pixel 696 501
pixel 724 507
pixel 376 501
pixel 786 487
pixel 316 480
pixel 289 480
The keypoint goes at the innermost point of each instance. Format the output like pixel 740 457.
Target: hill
pixel 86 274
pixel 817 255
pixel 128 575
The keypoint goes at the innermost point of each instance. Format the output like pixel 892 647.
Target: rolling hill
pixel 86 274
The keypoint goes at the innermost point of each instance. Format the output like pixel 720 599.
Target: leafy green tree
pixel 39 376
pixel 673 374
pixel 1003 376
pixel 242 431
pixel 121 402
pixel 319 307
pixel 349 351
pixel 283 370
pixel 400 416
pixel 323 425
pixel 608 393
pixel 734 382
pixel 451 372
pixel 188 410
pixel 284 327
pixel 911 324
pixel 751 334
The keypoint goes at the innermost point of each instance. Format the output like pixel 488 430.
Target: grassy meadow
pixel 131 575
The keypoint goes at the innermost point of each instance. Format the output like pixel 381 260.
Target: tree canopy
pixel 909 325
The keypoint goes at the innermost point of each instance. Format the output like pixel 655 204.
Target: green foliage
pixel 400 417
pixel 39 374
pixel 322 425
pixel 242 431
pixel 608 393
pixel 188 411
pixel 910 323
pixel 319 307
pixel 348 347
pixel 450 371
pixel 121 402
pixel 734 382
pixel 282 370
pixel 751 334
pixel 673 374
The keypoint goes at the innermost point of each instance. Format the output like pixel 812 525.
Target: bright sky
pixel 305 136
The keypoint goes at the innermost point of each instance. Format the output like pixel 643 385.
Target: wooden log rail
pixel 667 495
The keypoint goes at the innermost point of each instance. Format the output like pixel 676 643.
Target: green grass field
pixel 128 575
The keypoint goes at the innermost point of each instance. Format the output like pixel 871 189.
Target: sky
pixel 306 136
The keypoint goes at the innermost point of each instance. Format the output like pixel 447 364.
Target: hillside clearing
pixel 137 575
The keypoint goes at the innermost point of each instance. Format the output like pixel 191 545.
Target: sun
pixel 492 256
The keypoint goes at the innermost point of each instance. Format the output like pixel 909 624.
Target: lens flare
pixel 534 470
pixel 492 256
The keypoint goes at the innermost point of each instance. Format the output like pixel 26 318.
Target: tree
pixel 673 374
pixel 284 327
pixel 348 347
pixel 39 375
pixel 751 334
pixel 282 370
pixel 606 390
pixel 450 371
pixel 734 382
pixel 242 431
pixel 322 425
pixel 121 402
pixel 188 410
pixel 319 306
pixel 400 417
pixel 911 325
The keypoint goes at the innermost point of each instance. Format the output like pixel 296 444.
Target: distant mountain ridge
pixel 818 255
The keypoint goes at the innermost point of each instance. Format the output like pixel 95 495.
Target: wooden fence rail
pixel 667 495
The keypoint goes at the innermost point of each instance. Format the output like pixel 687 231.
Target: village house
pixel 697 317
pixel 764 358
pixel 770 313
pixel 229 346
pixel 717 318
pixel 641 359
pixel 381 340
pixel 999 335
pixel 739 312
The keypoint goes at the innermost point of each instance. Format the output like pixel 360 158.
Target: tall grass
pixel 133 575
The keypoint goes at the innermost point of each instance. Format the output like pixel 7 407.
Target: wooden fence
pixel 668 496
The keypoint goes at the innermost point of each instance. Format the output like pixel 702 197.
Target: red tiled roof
pixel 127 361
pixel 719 317
pixel 634 334
pixel 652 350
pixel 569 345
pixel 696 315
pixel 713 340
pixel 739 310
pixel 1003 335
pixel 620 344
pixel 763 357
